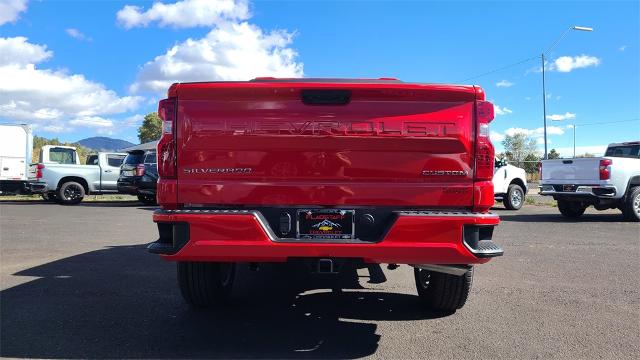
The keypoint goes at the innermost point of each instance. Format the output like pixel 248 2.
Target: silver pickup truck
pixel 608 182
pixel 60 177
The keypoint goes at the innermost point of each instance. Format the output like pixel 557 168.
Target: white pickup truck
pixel 608 182
pixel 509 184
pixel 59 176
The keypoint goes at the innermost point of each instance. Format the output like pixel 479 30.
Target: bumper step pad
pixel 487 248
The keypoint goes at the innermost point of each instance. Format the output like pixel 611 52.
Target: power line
pixel 500 69
pixel 607 122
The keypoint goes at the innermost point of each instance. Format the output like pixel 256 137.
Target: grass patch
pixel 88 198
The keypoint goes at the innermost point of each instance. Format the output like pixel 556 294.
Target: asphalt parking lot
pixel 77 282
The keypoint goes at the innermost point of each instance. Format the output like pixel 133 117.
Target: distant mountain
pixel 101 143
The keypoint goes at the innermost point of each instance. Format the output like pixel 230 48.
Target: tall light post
pixel 573 125
pixel 544 92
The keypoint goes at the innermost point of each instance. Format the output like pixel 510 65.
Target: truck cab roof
pixel 625 143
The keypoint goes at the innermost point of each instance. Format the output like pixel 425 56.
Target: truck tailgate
pixel 570 170
pixel 305 144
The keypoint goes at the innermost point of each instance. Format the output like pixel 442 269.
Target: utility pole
pixel 544 109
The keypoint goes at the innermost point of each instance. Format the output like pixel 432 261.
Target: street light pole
pixel 544 109
pixel 544 92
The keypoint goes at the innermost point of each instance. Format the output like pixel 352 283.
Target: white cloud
pixel 10 10
pixel 537 132
pixel 496 136
pixel 17 51
pixel 55 99
pixel 622 48
pixel 77 34
pixel 91 121
pixel 570 63
pixel 504 83
pixel 184 14
pixel 501 110
pixel 566 64
pixel 560 117
pixel 232 51
pixel 551 130
pixel 133 120
pixel 570 126
pixel 512 131
pixel 55 129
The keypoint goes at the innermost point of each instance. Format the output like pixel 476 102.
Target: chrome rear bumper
pixel 578 190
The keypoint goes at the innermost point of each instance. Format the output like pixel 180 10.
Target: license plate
pixel 328 224
pixel 567 188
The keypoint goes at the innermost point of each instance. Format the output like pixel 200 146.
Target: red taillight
pixel 540 170
pixel 140 170
pixel 485 151
pixel 39 168
pixel 167 159
pixel 605 169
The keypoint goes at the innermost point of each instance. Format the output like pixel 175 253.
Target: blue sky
pixel 77 69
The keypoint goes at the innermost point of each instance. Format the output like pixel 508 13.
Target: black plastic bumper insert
pixel 173 236
pixel 477 239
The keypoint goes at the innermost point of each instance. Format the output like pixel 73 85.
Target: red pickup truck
pixel 326 171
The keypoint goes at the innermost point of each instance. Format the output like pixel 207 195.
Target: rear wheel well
pixel 634 181
pixel 519 182
pixel 77 179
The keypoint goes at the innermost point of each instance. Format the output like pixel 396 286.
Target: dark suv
pixel 139 175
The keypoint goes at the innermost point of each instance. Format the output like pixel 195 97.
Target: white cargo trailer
pixel 16 147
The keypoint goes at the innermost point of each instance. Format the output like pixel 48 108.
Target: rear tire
pixel 571 209
pixel 514 198
pixel 443 292
pixel 70 193
pixel 147 199
pixel 631 207
pixel 204 284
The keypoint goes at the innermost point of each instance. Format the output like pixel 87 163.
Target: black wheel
pixel 205 283
pixel 443 292
pixel 514 198
pixel 571 209
pixel 70 193
pixel 631 207
pixel 147 199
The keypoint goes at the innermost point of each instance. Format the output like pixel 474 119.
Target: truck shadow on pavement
pixel 559 218
pixel 121 302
